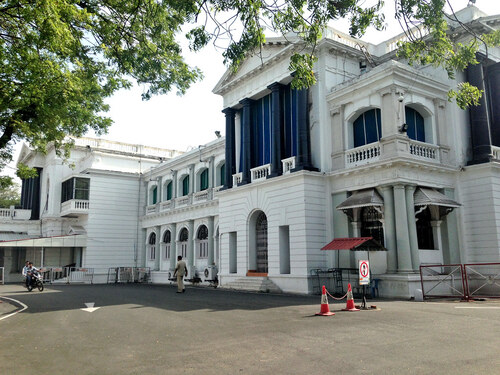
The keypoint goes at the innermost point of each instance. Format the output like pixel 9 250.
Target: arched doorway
pixel 261 242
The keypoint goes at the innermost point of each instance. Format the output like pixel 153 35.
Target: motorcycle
pixel 36 282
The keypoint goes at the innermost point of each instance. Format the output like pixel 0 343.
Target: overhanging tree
pixel 59 60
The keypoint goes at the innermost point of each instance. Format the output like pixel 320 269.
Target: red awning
pixel 354 244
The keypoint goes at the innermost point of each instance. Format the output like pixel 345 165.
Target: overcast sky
pixel 182 123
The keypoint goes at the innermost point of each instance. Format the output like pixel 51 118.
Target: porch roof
pixel 430 197
pixel 354 244
pixel 363 198
pixel 76 240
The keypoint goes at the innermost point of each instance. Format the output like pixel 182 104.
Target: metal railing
pixel 67 275
pixel 335 280
pixel 465 281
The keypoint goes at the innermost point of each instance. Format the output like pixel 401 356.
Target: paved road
pixel 146 329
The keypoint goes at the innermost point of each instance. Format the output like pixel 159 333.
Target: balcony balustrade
pixel 237 178
pixel 495 151
pixel 362 155
pixel 75 207
pixel 288 165
pixel 260 173
pixel 14 214
pixel 390 148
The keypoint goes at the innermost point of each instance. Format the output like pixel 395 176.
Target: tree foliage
pixel 60 60
pixel 9 192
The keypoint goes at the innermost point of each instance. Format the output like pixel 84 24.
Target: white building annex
pixel 373 149
pixel 82 212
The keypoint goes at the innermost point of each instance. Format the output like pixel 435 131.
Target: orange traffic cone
pixel 350 301
pixel 325 308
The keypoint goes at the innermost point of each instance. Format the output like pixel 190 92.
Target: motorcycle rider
pixel 30 272
pixel 25 272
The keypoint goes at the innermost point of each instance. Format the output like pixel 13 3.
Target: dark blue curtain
pixel 367 128
pixel 415 122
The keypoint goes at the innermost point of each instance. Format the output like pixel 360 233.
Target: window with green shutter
pixel 204 180
pixel 185 186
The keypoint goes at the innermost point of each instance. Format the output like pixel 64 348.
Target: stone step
pixel 254 284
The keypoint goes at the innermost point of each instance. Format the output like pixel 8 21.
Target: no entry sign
pixel 364 272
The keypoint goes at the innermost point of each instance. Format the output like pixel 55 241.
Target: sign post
pixel 364 278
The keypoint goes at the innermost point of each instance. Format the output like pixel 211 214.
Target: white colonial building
pixel 373 149
pixel 80 212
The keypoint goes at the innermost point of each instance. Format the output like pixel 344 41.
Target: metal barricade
pixel 442 281
pixel 81 275
pixel 482 280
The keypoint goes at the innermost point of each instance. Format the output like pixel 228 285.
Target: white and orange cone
pixel 350 301
pixel 325 308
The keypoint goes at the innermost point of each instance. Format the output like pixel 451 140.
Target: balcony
pixel 7 214
pixel 391 148
pixel 75 207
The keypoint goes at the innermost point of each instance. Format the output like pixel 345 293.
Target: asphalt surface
pixel 146 329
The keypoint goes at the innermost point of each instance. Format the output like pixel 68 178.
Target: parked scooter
pixel 36 282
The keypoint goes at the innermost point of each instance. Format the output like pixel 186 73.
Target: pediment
pixel 273 50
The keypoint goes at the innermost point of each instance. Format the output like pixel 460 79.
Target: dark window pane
pixel 359 132
pixel 185 186
pixel 371 126
pixel 223 174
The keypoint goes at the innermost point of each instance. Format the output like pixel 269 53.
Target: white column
pixel 412 227
pixel 402 237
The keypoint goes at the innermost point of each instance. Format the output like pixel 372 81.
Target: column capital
pixel 275 86
pixel 411 188
pixel 229 111
pixel 247 102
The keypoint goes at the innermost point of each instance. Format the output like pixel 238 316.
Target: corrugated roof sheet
pixel 354 244
pixel 431 197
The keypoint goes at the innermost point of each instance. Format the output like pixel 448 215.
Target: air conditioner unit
pixel 210 273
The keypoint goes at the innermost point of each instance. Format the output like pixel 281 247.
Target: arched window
pixel 424 230
pixel 204 180
pixel 415 122
pixel 367 128
pixel 152 246
pixel 371 225
pixel 183 242
pixel 185 186
pixel 167 239
pixel 202 238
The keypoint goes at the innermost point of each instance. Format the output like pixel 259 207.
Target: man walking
pixel 180 271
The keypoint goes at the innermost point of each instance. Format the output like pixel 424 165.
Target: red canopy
pixel 354 244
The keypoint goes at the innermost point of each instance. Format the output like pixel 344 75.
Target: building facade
pixel 373 149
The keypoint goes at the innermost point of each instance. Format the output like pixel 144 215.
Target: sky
pixel 185 122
